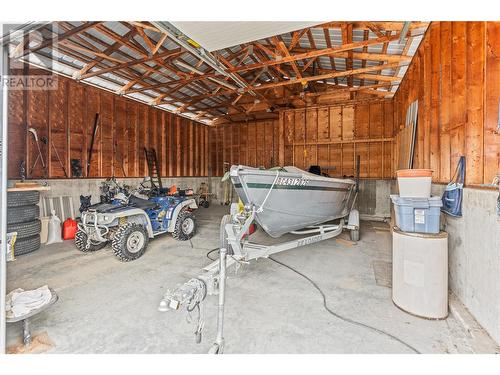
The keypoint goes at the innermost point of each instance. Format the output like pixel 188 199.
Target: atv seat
pixel 141 203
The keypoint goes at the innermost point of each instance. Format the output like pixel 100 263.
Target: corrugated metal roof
pixel 148 85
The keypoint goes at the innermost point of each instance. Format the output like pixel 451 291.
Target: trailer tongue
pixel 235 247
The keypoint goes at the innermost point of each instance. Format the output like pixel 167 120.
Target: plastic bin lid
pixel 434 201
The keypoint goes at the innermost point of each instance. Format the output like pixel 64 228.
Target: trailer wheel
pixel 354 235
pixel 185 226
pixel 205 204
pixel 81 243
pixel 130 242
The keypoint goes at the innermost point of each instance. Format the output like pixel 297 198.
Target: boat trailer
pixel 235 250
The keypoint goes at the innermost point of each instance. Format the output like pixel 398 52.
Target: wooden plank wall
pixel 252 143
pixel 455 75
pixel 66 116
pixel 329 136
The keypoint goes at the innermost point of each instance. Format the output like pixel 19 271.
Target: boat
pixel 288 199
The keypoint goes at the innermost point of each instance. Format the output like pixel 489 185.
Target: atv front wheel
pixel 185 226
pixel 130 242
pixel 81 243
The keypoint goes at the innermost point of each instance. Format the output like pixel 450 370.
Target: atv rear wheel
pixel 81 243
pixel 130 242
pixel 185 226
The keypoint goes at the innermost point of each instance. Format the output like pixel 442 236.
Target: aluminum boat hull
pixel 292 199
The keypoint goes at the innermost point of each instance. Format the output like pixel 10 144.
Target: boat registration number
pixel 292 181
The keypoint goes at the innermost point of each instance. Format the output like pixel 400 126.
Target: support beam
pixel 171 53
pixel 317 53
pixel 59 38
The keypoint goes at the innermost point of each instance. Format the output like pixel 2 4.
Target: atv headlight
pixel 103 219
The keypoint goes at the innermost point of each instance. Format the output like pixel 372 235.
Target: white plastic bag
pixel 54 229
pixel 11 240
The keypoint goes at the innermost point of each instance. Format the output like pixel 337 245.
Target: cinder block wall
pixel 76 187
pixel 474 256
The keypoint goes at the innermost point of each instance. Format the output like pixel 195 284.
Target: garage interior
pixel 205 96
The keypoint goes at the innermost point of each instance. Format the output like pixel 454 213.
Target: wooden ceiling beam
pixel 280 45
pixel 382 94
pixel 347 39
pixel 163 55
pixel 378 77
pixel 296 38
pixel 59 38
pixel 374 29
pixel 146 39
pixel 366 55
pixel 383 25
pixel 366 34
pixel 109 50
pixel 317 53
pixel 307 79
pixel 143 25
pixel 328 40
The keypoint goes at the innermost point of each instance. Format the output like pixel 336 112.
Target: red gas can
pixel 69 229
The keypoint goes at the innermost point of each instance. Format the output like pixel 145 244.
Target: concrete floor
pixel 107 306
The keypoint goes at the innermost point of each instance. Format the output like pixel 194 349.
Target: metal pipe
pixel 200 53
pixel 218 346
pixel 3 197
pixel 404 31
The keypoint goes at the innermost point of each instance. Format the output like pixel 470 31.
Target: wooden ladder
pixel 153 168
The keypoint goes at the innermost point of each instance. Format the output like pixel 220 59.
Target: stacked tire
pixel 23 217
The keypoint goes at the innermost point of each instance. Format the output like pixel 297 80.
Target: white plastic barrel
pixel 420 273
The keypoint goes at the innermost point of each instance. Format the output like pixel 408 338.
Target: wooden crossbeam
pixel 170 53
pixel 383 25
pixel 307 79
pixel 374 29
pixel 366 34
pixel 324 76
pixel 143 25
pixel 59 38
pixel 328 40
pixel 382 94
pixel 264 50
pixel 378 77
pixel 146 39
pixel 108 51
pixel 285 53
pixel 317 53
pixel 102 55
pixel 296 38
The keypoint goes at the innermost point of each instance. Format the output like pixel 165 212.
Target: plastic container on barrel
pixel 414 183
pixel 420 215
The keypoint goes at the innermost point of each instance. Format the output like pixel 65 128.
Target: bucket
pixel 414 183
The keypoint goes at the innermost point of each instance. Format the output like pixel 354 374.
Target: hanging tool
pixel 76 168
pixel 22 170
pixel 39 156
pixel 94 132
pixel 59 160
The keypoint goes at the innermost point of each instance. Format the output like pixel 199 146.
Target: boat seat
pixel 143 204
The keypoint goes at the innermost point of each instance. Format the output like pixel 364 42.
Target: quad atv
pixel 128 223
